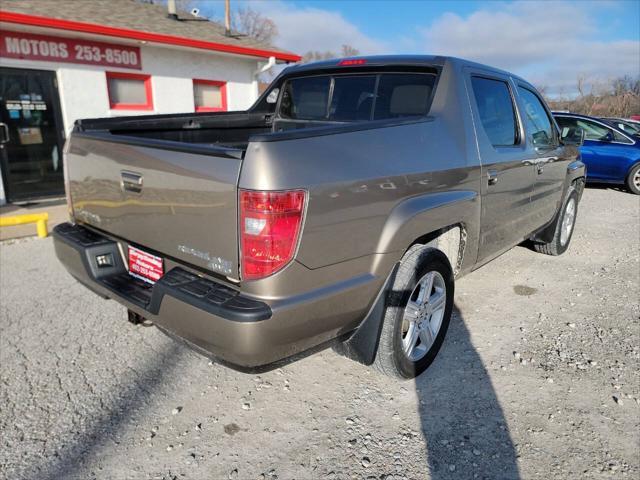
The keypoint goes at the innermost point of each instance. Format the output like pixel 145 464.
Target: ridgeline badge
pixel 218 264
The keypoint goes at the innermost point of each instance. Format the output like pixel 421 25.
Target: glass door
pixel 31 134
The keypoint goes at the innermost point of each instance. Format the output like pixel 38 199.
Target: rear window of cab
pixel 357 97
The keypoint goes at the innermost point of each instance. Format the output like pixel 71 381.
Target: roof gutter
pixel 95 29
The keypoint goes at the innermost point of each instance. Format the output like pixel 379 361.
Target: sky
pixel 550 43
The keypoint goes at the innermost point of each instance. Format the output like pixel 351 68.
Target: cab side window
pixel 495 108
pixel 536 120
pixel 600 133
pixel 593 131
pixel 618 137
pixel 566 123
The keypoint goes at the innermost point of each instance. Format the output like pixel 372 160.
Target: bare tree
pixel 542 89
pixel 255 25
pixel 581 85
pixel 349 51
pixel 315 55
pixel 619 97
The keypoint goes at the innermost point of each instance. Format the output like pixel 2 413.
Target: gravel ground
pixel 538 377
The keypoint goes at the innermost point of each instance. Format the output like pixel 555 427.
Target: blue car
pixel 610 154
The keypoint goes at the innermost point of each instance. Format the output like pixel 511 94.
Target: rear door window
pixel 536 119
pixel 495 108
pixel 618 137
pixel 593 131
pixel 600 133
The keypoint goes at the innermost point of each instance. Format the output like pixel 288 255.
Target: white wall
pixel 83 88
pixel 174 70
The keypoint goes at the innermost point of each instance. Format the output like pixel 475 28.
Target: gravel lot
pixel 539 377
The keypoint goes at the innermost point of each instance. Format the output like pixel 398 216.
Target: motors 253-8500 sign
pixel 29 46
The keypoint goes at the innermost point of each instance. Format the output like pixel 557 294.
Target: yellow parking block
pixel 40 219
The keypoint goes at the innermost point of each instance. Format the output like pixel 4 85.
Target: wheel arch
pixel 631 167
pixel 450 240
pixel 576 179
pixel 362 345
pixel 448 221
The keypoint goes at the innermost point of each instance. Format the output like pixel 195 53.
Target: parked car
pixel 610 154
pixel 630 127
pixel 336 211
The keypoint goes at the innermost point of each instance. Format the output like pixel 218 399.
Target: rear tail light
pixel 270 225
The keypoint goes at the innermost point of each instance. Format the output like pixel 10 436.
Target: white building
pixel 61 60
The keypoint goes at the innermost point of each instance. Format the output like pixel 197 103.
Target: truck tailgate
pixel 164 196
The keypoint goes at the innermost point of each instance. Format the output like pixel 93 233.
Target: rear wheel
pixel 633 180
pixel 564 227
pixel 418 313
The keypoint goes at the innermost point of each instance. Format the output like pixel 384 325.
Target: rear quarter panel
pixel 376 190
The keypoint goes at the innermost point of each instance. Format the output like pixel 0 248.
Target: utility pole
pixel 227 17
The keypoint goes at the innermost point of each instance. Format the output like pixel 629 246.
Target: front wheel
pixel 564 228
pixel 633 180
pixel 417 314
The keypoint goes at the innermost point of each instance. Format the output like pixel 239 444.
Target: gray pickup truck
pixel 336 211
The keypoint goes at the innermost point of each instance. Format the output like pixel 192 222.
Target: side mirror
pixel 572 136
pixel 608 137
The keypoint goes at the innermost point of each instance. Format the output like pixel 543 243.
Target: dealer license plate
pixel 144 265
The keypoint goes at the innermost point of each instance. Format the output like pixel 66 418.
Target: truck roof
pixel 386 60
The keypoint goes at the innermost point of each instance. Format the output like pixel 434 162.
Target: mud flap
pixel 546 234
pixel 362 345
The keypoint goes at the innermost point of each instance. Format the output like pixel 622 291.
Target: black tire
pixel 632 180
pixel 557 246
pixel 416 263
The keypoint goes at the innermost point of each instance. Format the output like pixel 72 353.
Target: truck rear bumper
pixel 243 332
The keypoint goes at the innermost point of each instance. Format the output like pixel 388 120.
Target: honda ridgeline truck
pixel 337 210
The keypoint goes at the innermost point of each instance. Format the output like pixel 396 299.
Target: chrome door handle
pixel 492 176
pixel 540 167
pixel 131 181
pixel 545 148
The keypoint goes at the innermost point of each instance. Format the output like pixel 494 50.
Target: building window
pixel 129 91
pixel 209 96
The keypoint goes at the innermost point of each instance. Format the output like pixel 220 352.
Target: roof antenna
pixel 171 7
pixel 227 18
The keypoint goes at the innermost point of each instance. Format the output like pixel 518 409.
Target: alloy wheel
pixel 423 315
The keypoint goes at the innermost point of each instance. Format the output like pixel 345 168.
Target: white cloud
pixel 547 43
pixel 303 29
